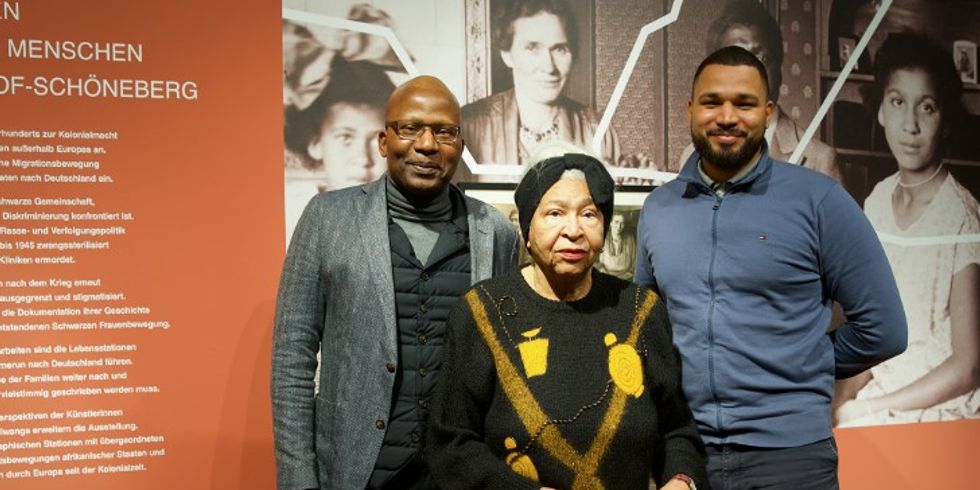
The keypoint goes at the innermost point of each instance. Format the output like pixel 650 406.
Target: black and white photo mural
pixel 881 96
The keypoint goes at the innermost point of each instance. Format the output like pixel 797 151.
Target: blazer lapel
pixel 371 218
pixel 481 242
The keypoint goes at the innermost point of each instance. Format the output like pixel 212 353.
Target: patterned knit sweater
pixel 571 395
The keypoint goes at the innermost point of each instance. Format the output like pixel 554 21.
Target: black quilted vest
pixel 424 295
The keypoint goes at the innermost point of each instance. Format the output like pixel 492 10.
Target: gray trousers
pixel 809 467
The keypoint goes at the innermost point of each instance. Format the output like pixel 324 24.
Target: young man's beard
pixel 727 159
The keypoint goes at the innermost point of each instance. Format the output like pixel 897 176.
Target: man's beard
pixel 727 159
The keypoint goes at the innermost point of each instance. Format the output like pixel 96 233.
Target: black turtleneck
pixel 421 221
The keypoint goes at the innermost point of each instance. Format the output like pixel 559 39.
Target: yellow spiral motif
pixel 625 366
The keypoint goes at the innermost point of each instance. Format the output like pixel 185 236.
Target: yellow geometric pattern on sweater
pixel 585 467
pixel 520 463
pixel 625 366
pixel 534 353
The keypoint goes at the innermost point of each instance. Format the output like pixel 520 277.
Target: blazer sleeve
pixel 458 456
pixel 296 341
pixel 510 251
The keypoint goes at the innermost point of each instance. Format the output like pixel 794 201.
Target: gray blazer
pixel 337 294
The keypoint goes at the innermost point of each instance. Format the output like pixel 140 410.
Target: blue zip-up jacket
pixel 750 279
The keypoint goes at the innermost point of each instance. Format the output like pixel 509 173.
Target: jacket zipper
pixel 711 310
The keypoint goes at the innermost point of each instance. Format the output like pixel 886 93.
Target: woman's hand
pixel 852 411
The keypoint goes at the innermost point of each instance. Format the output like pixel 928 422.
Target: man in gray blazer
pixel 370 276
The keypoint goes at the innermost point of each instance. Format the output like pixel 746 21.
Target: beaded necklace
pixel 917 184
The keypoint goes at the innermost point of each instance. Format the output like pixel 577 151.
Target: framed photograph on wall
pixel 965 57
pixel 500 196
pixel 618 256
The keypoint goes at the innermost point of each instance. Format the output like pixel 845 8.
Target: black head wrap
pixel 545 173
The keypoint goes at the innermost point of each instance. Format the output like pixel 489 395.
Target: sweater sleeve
pixel 683 449
pixel 296 340
pixel 459 457
pixel 857 275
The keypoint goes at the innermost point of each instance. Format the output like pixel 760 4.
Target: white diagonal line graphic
pixel 617 94
pixel 839 83
pixel 353 25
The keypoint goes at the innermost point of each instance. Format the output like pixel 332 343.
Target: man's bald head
pixel 421 86
pixel 421 163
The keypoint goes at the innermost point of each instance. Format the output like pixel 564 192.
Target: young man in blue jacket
pixel 750 254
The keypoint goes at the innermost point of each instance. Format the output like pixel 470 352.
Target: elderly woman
pixel 538 42
pixel 556 375
pixel 939 277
